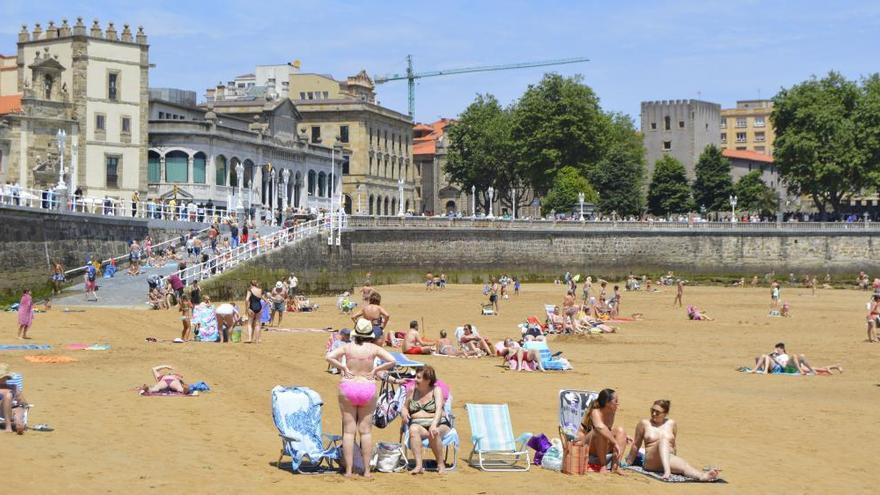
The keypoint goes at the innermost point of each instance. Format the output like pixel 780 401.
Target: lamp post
pixel 360 189
pixel 239 176
pixel 74 161
pixel 581 201
pixel 400 197
pixel 491 196
pixel 732 200
pixel 474 201
pixel 273 197
pixel 61 138
pixel 513 202
pixel 285 177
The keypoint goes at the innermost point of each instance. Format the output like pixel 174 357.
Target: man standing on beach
pixel 679 291
pixel 279 300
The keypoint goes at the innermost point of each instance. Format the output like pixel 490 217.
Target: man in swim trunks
pixel 278 297
pixel 413 343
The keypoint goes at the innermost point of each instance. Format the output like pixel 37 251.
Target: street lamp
pixel 285 200
pixel 581 201
pixel 491 195
pixel 474 201
pixel 400 197
pixel 239 175
pixel 61 138
pixel 513 202
pixel 732 200
pixel 273 197
pixel 360 189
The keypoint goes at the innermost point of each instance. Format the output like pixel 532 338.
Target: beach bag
pixel 540 443
pixel 574 457
pixel 388 404
pixel 388 457
pixel 357 460
pixel 552 458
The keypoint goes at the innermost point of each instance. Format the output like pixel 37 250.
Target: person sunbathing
pixel 658 434
pixel 780 361
pixel 474 341
pixel 513 352
pixel 167 380
pixel 607 443
pixel 559 322
pixel 695 314
pixel 424 414
pixel 446 348
pixel 413 343
pixel 585 323
pixel 10 395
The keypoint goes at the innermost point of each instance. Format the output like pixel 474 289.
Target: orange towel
pixel 49 359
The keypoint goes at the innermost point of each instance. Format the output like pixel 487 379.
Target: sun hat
pixel 363 328
pixel 279 285
pixel 4 370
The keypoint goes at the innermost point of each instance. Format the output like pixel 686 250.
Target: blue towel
pixel 25 347
pixel 199 386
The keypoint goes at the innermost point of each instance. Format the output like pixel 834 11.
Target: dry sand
pixel 769 434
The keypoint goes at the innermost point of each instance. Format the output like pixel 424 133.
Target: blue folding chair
pixel 495 447
pixel 549 362
pixel 297 415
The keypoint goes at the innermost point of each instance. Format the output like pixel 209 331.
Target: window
pixel 345 165
pixel 316 134
pixel 154 168
pixel 759 121
pixel 126 125
pixel 302 95
pixel 759 137
pixel 740 137
pixel 723 137
pixel 161 115
pixel 681 124
pixel 370 170
pixel 100 124
pixel 326 95
pixel 343 133
pixel 667 123
pixel 723 123
pixel 386 139
pixel 760 149
pixel 199 168
pixel 667 145
pixel 112 85
pixel 740 122
pixel 370 130
pixel 176 166
pixel 220 170
pixel 653 126
pixel 112 177
pixel 740 148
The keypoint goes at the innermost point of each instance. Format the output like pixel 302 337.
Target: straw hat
pixel 363 328
pixel 4 370
pixel 279 285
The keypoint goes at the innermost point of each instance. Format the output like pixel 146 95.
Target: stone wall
pixel 30 240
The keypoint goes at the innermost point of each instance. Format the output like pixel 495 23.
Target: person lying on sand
pixel 658 434
pixel 167 380
pixel 779 361
pixel 584 323
pixel 695 314
pixel 512 351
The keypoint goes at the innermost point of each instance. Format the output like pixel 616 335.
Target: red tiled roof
pixel 427 144
pixel 10 104
pixel 747 155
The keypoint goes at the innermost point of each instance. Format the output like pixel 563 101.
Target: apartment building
pixel 747 127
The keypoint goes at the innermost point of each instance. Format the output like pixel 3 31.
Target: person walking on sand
pixel 57 277
pixel 25 314
pixel 357 390
pixel 254 305
pixel 679 291
pixel 873 318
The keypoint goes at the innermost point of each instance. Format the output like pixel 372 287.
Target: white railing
pixel 439 223
pixel 260 246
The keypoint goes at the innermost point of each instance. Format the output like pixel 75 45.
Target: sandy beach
pixel 768 434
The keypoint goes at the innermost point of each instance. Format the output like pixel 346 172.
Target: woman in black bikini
pixel 254 307
pixel 424 414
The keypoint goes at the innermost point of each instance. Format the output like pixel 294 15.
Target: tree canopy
pixel 828 138
pixel 754 195
pixel 563 195
pixel 620 173
pixel 713 184
pixel 669 191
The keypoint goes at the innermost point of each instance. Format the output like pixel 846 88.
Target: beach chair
pixel 487 309
pixel 450 440
pixel 548 361
pixel 495 447
pixel 573 404
pixel 297 415
pixel 405 367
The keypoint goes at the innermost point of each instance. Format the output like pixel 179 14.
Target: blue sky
pixel 717 51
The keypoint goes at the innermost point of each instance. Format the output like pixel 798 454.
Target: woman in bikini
pixel 658 435
pixel 376 314
pixel 357 390
pixel 167 380
pixel 873 318
pixel 186 313
pixel 254 305
pixel 513 351
pixel 471 340
pixel 607 443
pixel 424 414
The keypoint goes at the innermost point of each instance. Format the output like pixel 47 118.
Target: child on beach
pixel 186 309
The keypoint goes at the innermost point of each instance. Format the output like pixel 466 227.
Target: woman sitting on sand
pixel 357 390
pixel 658 435
pixel 424 414
pixel 167 380
pixel 472 340
pixel 607 443
pixel 446 348
pixel 695 314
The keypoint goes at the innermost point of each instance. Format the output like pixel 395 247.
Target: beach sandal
pixel 42 427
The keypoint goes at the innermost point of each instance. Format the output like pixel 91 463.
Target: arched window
pixel 248 173
pixel 220 167
pixel 154 167
pixel 176 165
pixel 406 206
pixel 312 182
pixel 386 205
pixel 394 206
pixel 370 203
pixel 386 168
pixel 297 188
pixel 233 174
pixel 347 203
pixel 199 160
pixel 322 185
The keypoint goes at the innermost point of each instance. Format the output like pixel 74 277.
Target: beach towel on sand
pixel 25 347
pixel 49 359
pixel 675 478
pixel 749 370
pixel 206 319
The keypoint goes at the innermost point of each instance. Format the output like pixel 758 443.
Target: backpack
pixel 91 273
pixel 388 404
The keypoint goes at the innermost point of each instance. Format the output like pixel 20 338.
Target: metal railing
pixel 260 246
pixel 441 223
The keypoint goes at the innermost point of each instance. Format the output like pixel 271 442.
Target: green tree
pixel 555 123
pixel 620 173
pixel 563 196
pixel 754 195
pixel 669 191
pixel 713 184
pixel 827 140
pixel 480 152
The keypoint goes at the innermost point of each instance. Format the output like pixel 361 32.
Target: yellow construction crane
pixel 411 76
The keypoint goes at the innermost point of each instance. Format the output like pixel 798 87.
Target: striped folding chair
pixel 495 447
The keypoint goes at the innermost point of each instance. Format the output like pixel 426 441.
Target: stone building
pixel 743 162
pixel 681 128
pixel 377 141
pixel 747 127
pixel 91 83
pixel 195 151
pixel 268 81
pixel 439 196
